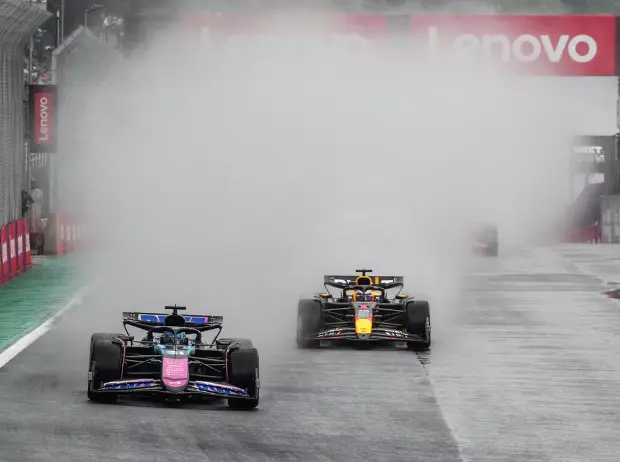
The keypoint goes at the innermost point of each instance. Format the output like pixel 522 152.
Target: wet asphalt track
pixel 315 406
pixel 528 371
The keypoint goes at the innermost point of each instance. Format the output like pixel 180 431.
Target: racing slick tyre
pixel 105 365
pixel 418 314
pixel 308 323
pixel 243 372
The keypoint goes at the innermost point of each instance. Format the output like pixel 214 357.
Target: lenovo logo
pixel 569 45
pixel 526 48
pixel 43 119
pixel 43 108
pixel 540 45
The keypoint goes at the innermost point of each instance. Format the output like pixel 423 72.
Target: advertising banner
pixel 43 118
pixel 554 45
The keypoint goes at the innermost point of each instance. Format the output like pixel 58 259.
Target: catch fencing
pixel 18 21
pixel 80 66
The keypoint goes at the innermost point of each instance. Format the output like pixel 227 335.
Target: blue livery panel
pixel 159 319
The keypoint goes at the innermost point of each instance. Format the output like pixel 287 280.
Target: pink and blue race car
pixel 173 361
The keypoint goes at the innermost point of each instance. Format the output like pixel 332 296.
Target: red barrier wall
pixel 70 234
pixel 19 232
pixel 15 252
pixel 5 254
pixel 589 235
pixel 27 250
pixel 12 250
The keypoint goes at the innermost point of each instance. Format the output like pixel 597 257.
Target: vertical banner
pixel 43 145
pixel 43 118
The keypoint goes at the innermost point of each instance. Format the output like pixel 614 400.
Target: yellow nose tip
pixel 363 326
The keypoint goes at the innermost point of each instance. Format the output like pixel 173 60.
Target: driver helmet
pixel 168 337
pixel 365 296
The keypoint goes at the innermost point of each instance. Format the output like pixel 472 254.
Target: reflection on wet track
pixel 531 369
pixel 526 370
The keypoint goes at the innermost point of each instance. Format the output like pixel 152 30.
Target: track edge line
pixel 33 335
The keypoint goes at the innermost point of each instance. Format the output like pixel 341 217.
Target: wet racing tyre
pixel 105 365
pixel 309 322
pixel 418 316
pixel 243 367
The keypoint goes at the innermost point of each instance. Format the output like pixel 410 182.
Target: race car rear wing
pixel 386 282
pixel 157 319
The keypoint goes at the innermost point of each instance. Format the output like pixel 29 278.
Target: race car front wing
pixel 349 333
pixel 198 387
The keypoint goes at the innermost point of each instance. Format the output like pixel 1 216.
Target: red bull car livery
pixel 363 311
pixel 173 361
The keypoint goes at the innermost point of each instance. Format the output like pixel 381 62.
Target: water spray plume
pixel 230 179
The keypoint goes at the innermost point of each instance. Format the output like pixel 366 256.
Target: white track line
pixel 32 336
